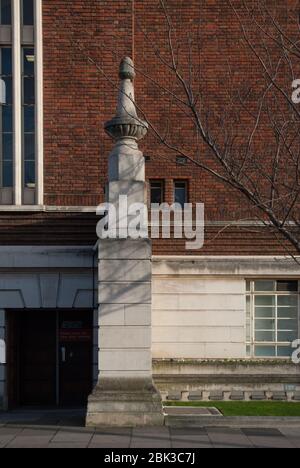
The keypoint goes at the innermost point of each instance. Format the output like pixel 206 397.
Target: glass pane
pixel 265 351
pixel 29 119
pixel 265 300
pixel 287 324
pixel 28 13
pixel 264 312
pixel 287 312
pixel 5 12
pixel 180 195
pixel 248 305
pixel 29 147
pixel 7 124
pixel 29 172
pixel 265 324
pixel 6 61
pixel 7 174
pixel 156 192
pixel 248 351
pixel 265 336
pixel 287 286
pixel 8 90
pixel 264 285
pixel 28 62
pixel 7 146
pixel 288 301
pixel 29 94
pixel 248 331
pixel 248 286
pixel 287 336
pixel 284 351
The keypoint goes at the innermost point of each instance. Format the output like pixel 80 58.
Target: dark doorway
pixel 49 357
pixel 75 357
pixel 37 358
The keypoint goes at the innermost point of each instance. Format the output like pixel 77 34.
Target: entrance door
pixel 49 357
pixel 75 357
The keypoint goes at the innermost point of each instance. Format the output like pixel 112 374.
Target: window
pixel 181 192
pixel 272 317
pixel 21 145
pixel 28 12
pixel 5 12
pixel 157 191
pixel 28 118
pixel 6 146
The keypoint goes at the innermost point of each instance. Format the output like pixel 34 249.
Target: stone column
pixel 125 394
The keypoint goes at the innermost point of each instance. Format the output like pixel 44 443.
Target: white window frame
pixel 17 44
pixel 250 345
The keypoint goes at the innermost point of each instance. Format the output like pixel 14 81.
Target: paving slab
pixel 68 445
pixel 73 436
pixel 267 438
pixel 189 438
pixel 292 434
pixel 224 437
pixel 111 438
pixel 152 437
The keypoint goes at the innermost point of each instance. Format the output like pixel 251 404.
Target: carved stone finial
pixel 126 124
pixel 127 69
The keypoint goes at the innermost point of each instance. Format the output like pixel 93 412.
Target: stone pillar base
pixel 125 402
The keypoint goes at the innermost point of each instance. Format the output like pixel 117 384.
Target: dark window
pixel 157 191
pixel 287 286
pixel 28 116
pixel 29 119
pixel 6 127
pixel 5 12
pixel 181 192
pixel 28 13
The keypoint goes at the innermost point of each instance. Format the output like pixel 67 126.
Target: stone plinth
pixel 125 394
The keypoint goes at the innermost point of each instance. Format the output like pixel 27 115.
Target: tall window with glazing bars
pixel 18 126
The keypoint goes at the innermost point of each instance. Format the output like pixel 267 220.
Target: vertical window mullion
pixel 39 145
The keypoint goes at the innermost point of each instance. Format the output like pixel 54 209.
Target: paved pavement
pixel 65 430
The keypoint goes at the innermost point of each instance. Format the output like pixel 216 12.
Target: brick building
pixel 224 316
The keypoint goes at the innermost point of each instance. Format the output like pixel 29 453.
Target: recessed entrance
pixel 49 357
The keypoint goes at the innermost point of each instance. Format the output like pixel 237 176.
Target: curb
pixel 231 421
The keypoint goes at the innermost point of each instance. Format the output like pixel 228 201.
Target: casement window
pixel 272 317
pixel 157 191
pixel 181 192
pixel 21 122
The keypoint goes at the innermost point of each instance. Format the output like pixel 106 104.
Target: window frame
pixel 161 182
pixel 3 160
pixel 251 342
pixel 186 188
pixel 19 37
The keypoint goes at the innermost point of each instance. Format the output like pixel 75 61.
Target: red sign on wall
pixel 75 335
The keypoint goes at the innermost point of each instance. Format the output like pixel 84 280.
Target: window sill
pixel 47 208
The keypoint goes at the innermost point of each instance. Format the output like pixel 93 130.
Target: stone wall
pixel 187 379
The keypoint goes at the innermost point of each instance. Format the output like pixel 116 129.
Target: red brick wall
pixel 78 97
